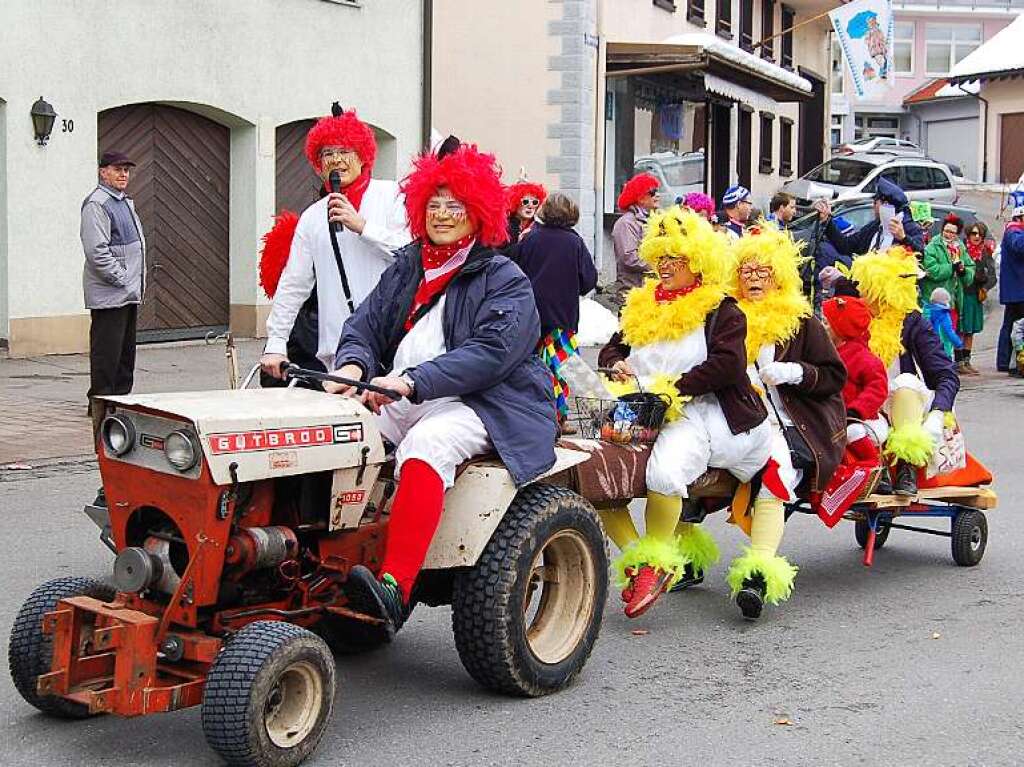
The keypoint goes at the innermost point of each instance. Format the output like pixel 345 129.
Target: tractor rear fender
pixel 475 506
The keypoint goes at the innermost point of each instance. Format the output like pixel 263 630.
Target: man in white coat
pixel 370 215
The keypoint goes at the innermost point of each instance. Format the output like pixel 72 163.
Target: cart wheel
pixel 269 696
pixel 527 614
pixel 860 530
pixel 31 650
pixel 969 537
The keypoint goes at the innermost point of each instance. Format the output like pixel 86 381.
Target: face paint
pixel 755 281
pixel 447 218
pixel 345 161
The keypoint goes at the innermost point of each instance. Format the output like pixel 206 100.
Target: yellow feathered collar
pixel 887 335
pixel 644 321
pixel 775 319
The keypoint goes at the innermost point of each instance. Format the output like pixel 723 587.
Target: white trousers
pixel 701 439
pixel 780 453
pixel 443 433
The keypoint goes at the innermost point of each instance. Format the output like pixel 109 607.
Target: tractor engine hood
pixel 268 432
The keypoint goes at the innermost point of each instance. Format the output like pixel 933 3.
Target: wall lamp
pixel 43 118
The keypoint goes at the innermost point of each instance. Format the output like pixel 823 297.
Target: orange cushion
pixel 974 473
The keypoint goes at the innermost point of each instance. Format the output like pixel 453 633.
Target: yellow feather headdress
pixel 682 233
pixel 888 278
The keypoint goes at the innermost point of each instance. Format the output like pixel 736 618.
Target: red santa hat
pixel 473 178
pixel 343 129
pixel 522 189
pixel 635 188
pixel 848 316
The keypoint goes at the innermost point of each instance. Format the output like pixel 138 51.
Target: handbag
pixel 800 453
pixel 950 454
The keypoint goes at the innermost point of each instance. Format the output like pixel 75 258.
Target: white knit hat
pixel 941 296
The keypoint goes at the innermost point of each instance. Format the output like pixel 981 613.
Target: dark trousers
pixel 112 350
pixel 1004 350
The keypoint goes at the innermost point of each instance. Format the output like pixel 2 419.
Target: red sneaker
pixel 648 585
pixel 627 593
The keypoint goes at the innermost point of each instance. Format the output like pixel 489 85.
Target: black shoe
pixel 690 578
pixel 750 600
pixel 884 486
pixel 381 599
pixel 905 483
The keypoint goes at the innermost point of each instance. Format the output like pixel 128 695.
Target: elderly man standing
pixel 114 278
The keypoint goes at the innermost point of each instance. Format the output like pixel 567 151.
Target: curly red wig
pixel 635 188
pixel 518 191
pixel 473 177
pixel 277 245
pixel 345 130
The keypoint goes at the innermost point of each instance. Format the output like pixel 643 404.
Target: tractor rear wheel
pixel 31 650
pixel 269 696
pixel 527 614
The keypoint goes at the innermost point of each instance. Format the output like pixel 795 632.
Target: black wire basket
pixel 632 419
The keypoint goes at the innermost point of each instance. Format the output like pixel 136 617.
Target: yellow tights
pixel 906 406
pixel 767 525
pixel 661 516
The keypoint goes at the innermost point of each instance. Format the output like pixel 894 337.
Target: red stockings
pixel 415 515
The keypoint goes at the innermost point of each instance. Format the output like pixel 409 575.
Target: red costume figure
pixel 523 201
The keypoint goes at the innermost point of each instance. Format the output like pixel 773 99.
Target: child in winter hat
pixel 940 314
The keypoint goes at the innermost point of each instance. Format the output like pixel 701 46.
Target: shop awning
pixel 729 70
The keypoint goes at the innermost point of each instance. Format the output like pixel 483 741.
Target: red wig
pixel 518 191
pixel 277 244
pixel 955 220
pixel 346 130
pixel 473 178
pixel 635 188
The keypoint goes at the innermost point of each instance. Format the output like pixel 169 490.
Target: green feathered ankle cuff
pixel 698 548
pixel 777 572
pixel 910 443
pixel 656 552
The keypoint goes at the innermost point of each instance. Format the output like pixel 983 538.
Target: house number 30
pixel 67 126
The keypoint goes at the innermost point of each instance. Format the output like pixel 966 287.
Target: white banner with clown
pixel 864 30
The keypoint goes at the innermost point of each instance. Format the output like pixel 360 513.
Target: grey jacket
pixel 115 250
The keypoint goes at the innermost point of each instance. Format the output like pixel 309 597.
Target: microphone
pixel 334 179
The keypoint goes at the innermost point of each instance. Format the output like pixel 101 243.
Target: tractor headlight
pixel 118 434
pixel 180 450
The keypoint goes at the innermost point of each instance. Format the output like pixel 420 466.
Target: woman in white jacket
pixel 371 217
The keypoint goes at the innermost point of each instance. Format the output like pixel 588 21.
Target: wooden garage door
pixel 181 190
pixel 1011 147
pixel 297 186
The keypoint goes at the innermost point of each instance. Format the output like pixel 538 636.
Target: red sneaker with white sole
pixel 648 584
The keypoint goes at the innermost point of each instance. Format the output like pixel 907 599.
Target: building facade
pixel 212 100
pixel 929 40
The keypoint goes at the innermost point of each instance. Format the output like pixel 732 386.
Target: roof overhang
pixel 643 59
pixel 985 77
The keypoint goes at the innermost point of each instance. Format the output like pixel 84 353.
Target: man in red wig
pixel 638 198
pixel 452 327
pixel 524 200
pixel 343 266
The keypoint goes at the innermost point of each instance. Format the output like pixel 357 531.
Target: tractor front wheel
pixel 30 653
pixel 269 696
pixel 527 614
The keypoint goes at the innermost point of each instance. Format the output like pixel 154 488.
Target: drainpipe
pixel 428 63
pixel 984 134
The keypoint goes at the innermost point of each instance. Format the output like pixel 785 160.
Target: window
pixel 768 29
pixel 916 178
pixel 837 68
pixel 947 44
pixel 747 24
pixel 939 179
pixel 723 18
pixel 788 20
pixel 903 47
pixel 841 172
pixel 695 11
pixel 785 146
pixel 744 145
pixel 889 174
pixel 667 5
pixel 764 164
pixel 836 130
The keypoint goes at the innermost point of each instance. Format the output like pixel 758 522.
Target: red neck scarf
pixel 976 251
pixel 435 276
pixel 663 296
pixel 355 191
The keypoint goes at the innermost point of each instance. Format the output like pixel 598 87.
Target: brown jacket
pixel 815 405
pixel 723 373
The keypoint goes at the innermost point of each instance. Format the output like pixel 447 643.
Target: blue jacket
pixel 941 318
pixel 561 269
pixel 491 327
pixel 860 241
pixel 1011 266
pixel 924 352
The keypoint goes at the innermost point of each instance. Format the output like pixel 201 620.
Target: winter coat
pixel 861 241
pixel 815 404
pixel 925 356
pixel 115 250
pixel 941 318
pixel 626 236
pixel 723 373
pixel 940 271
pixel 867 384
pixel 561 269
pixel 1011 265
pixel 491 327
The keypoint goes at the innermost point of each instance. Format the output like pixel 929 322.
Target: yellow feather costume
pixel 887 280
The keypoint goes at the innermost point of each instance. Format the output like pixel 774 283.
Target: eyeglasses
pixel 453 208
pixel 761 272
pixel 975 233
pixel 674 262
pixel 336 153
pixel 949 231
pixel 530 201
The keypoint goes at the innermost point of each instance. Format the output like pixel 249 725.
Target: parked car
pixel 854 177
pixel 677 174
pixel 879 143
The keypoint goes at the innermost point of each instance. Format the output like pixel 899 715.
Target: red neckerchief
pixel 354 192
pixel 434 258
pixel 979 250
pixel 663 296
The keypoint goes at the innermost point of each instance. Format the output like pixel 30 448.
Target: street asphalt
pixel 913 662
